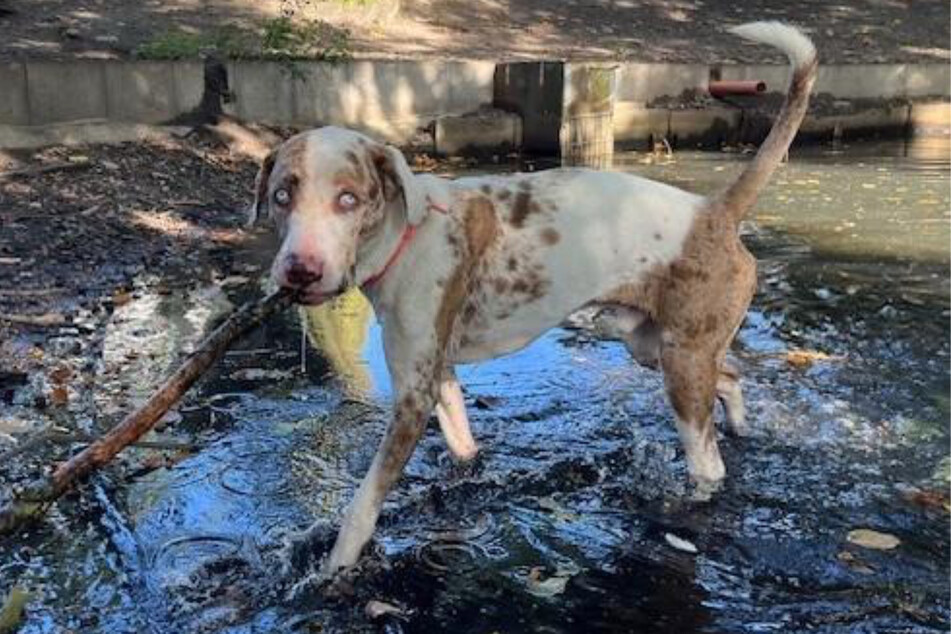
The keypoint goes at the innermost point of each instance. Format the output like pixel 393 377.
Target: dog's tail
pixel 741 195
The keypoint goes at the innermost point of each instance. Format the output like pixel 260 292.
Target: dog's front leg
pixel 451 411
pixel 414 382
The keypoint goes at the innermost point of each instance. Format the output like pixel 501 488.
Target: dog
pixel 471 269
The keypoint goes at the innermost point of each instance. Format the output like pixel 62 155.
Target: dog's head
pixel 327 190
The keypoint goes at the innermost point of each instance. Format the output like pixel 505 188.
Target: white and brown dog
pixel 465 270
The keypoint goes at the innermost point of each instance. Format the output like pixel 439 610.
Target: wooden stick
pixel 36 497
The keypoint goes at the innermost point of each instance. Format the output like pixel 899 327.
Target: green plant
pixel 281 39
pixel 284 38
pixel 227 41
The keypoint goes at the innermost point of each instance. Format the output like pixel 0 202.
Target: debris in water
pixel 550 587
pixel 11 614
pixel 867 538
pixel 378 609
pixel 805 358
pixel 853 562
pixel 680 544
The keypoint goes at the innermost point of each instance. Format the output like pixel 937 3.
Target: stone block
pixel 478 132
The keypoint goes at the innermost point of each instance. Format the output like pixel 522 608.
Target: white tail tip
pixel 790 40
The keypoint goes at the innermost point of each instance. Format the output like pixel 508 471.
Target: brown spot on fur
pixel 500 285
pixel 481 226
pixel 512 263
pixel 522 208
pixel 550 236
pixel 486 189
pixel 504 194
pixel 480 229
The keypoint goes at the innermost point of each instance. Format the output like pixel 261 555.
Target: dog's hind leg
pixel 451 412
pixel 730 395
pixel 690 375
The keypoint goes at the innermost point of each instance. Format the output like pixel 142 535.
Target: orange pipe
pixel 736 87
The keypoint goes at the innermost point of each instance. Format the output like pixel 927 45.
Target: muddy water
pixel 565 521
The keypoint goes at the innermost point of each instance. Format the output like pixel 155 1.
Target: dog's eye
pixel 282 197
pixel 347 201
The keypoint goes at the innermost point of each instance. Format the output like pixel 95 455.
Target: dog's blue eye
pixel 347 200
pixel 282 197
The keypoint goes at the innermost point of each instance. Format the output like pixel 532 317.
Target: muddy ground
pixel 857 31
pixel 575 518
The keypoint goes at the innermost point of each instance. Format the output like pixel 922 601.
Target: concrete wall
pixel 390 99
pixel 654 102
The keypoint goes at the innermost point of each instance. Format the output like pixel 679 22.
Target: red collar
pixel 405 239
pixel 407 236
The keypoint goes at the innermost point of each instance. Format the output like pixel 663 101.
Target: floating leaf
pixel 805 358
pixel 867 538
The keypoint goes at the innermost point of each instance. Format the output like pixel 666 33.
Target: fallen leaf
pixel 59 395
pixel 805 358
pixel 867 538
pixel 680 543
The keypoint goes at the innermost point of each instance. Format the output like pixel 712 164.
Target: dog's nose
pixel 300 274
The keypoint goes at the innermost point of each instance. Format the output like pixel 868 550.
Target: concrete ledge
pixel 263 91
pixel 875 121
pixel 478 133
pixel 469 84
pixel 931 117
pixel 188 85
pixel 927 80
pixel 140 92
pixel 636 125
pixel 66 91
pixel 862 81
pixel 393 99
pixel 14 106
pixel 646 83
pixel 81 133
pixel 314 99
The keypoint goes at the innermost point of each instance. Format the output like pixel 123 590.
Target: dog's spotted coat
pixel 466 270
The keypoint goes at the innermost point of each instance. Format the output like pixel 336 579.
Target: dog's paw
pixel 703 489
pixel 302 552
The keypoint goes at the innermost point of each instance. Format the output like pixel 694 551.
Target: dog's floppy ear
pixel 399 180
pixel 259 206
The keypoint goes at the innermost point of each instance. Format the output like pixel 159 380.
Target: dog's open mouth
pixel 312 296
